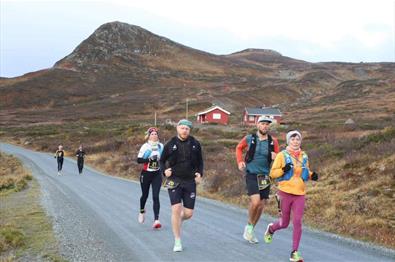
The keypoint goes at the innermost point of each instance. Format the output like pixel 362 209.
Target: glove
pixel 287 167
pixel 314 176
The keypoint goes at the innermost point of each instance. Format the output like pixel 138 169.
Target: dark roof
pixel 263 111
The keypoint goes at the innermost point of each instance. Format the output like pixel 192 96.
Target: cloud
pixel 324 30
pixel 324 23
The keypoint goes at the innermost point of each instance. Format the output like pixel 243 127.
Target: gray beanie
pixel 291 133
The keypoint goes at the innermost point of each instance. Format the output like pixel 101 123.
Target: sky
pixel 34 35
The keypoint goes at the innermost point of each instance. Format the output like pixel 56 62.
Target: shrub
pixel 386 135
pixel 10 237
pixel 12 174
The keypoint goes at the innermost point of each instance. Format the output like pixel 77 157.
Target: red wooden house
pixel 214 114
pixel 251 114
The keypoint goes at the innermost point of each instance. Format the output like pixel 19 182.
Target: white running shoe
pixel 177 245
pixel 249 235
pixel 254 240
pixel 141 218
pixel 246 235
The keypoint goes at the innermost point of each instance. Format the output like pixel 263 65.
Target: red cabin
pixel 214 114
pixel 251 114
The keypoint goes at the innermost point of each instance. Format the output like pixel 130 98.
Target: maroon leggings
pixel 295 204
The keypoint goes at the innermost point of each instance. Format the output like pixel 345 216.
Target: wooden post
pixel 186 109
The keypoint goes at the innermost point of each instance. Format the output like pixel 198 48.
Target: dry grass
pixel 357 202
pixel 13 177
pixel 25 230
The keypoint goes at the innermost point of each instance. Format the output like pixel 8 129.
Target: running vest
pixel 251 141
pixel 288 160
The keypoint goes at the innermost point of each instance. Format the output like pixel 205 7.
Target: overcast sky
pixel 36 34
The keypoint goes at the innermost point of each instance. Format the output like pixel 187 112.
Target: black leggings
pixel 148 178
pixel 60 163
pixel 80 164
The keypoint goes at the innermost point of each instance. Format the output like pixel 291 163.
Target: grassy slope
pixel 25 230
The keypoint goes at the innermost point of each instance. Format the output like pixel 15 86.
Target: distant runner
pixel 80 154
pixel 59 155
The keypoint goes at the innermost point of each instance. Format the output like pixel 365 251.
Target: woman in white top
pixel 149 155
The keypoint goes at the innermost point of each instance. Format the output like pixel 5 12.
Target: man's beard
pixel 262 132
pixel 183 136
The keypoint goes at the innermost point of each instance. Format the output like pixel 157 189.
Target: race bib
pixel 170 184
pixel 263 181
pixel 153 164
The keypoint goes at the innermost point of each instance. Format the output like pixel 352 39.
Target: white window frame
pixel 217 116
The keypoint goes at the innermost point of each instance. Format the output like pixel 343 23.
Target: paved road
pixel 95 219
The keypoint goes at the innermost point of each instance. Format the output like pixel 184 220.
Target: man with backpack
pixel 261 151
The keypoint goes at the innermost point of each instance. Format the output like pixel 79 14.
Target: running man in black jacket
pixel 80 154
pixel 182 163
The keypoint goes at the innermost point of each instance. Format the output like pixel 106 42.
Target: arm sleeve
pixel 276 146
pixel 141 160
pixel 239 149
pixel 277 168
pixel 143 155
pixel 144 152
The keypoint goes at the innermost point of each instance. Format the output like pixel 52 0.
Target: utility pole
pixel 186 109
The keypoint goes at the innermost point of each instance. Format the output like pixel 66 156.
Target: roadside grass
pixel 355 201
pixel 13 177
pixel 25 230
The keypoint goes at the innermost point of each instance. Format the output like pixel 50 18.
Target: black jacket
pixel 184 157
pixel 80 154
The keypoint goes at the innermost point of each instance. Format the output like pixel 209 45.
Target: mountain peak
pixel 248 51
pixel 114 40
pixel 117 27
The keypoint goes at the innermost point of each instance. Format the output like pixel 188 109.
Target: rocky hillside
pixel 125 71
